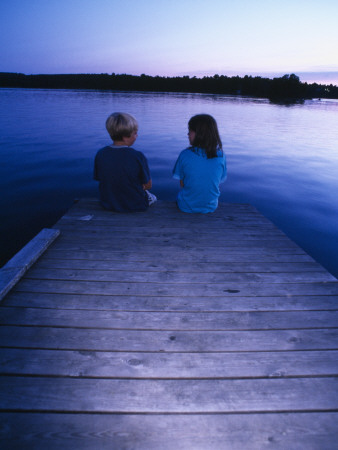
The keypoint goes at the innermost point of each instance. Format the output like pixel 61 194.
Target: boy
pixel 122 171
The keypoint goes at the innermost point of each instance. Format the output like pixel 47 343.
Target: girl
pixel 201 167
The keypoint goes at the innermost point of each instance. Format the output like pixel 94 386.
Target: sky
pixel 171 37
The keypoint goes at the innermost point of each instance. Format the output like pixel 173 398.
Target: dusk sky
pixel 171 37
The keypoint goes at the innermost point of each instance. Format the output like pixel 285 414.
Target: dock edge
pixel 17 266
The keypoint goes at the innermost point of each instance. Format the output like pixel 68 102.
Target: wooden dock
pixel 165 330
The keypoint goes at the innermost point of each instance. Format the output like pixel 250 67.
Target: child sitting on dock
pixel 123 172
pixel 201 167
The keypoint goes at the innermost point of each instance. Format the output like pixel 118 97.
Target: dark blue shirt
pixel 121 172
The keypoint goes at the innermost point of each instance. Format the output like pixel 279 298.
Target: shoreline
pixel 287 88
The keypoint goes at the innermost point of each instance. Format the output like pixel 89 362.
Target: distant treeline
pixel 288 87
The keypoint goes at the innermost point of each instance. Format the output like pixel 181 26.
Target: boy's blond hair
pixel 120 125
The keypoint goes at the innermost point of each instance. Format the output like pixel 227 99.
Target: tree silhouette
pixel 286 88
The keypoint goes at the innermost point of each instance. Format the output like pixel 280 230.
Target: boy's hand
pixel 147 185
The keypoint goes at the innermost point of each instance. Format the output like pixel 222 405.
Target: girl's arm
pixel 181 183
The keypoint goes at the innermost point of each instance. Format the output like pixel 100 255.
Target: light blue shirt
pixel 201 177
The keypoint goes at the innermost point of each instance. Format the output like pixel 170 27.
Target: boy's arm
pixel 95 171
pixel 147 185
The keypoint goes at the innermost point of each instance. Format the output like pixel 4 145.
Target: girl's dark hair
pixel 207 136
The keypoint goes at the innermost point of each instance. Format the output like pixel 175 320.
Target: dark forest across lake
pixel 287 88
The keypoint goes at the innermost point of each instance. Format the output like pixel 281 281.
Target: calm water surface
pixel 281 159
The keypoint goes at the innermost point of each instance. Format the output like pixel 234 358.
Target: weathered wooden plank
pixel 187 267
pixel 16 267
pixel 187 249
pixel 182 289
pixel 161 207
pixel 169 228
pixel 311 431
pixel 255 320
pixel 184 255
pixel 156 303
pixel 226 229
pixel 102 242
pixel 226 213
pixel 168 365
pixel 94 231
pixel 237 221
pixel 169 396
pixel 177 277
pixel 166 341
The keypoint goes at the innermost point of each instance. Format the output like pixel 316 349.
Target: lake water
pixel 281 159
